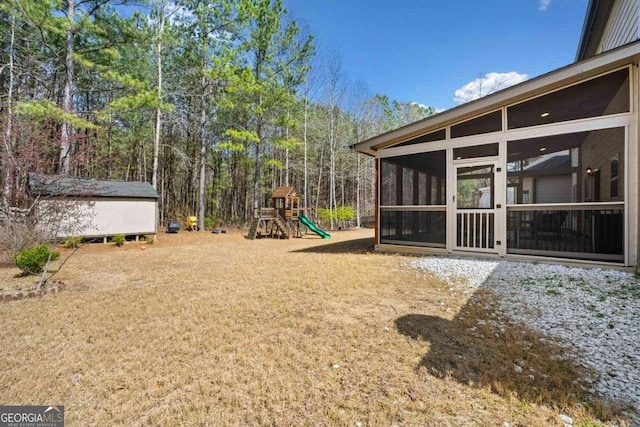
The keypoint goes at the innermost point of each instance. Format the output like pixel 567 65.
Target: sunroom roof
pixel 555 79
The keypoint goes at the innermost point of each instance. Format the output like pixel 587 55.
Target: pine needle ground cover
pixel 203 329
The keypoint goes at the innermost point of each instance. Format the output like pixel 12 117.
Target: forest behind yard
pixel 214 103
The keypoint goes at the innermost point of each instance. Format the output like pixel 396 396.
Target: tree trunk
pixel 203 157
pixel 156 136
pixel 332 166
pixel 358 216
pixel 7 161
pixel 319 178
pixel 286 153
pixel 257 172
pixel 64 162
pixel 304 139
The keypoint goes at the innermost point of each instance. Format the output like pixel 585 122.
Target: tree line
pixel 214 103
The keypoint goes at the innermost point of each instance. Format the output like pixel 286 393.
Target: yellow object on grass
pixel 192 223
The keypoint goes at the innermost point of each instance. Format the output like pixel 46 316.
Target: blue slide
pixel 311 226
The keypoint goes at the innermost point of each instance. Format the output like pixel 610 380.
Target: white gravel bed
pixel 594 313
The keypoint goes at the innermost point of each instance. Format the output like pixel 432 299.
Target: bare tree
pixel 8 162
pixel 161 6
pixel 57 210
pixel 334 95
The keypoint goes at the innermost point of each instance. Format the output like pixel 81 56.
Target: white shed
pixel 89 208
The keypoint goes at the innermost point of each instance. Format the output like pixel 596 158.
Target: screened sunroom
pixel 547 168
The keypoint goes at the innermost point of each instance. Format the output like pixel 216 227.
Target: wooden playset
pixel 285 219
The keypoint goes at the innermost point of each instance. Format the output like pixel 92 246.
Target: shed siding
pixel 622 27
pixel 110 217
pixel 125 216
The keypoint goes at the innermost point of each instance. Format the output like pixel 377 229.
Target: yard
pixel 204 329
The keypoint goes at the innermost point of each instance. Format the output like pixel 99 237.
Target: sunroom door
pixel 475 207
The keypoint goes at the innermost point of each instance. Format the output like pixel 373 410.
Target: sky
pixel 424 51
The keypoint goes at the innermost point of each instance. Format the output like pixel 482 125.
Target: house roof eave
pixel 595 22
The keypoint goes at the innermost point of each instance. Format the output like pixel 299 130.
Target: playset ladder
pixel 282 226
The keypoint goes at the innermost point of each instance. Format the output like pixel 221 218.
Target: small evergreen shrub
pixel 118 239
pixel 33 260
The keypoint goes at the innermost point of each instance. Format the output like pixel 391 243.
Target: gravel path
pixel 594 313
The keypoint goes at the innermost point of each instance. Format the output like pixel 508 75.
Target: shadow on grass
pixel 357 246
pixel 22 274
pixel 480 350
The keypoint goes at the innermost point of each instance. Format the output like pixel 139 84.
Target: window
pixel 414 179
pixel 566 168
pixel 573 171
pixel 491 122
pixel 438 135
pixel 614 166
pixel 486 150
pixel 608 94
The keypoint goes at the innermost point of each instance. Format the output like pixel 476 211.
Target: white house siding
pixel 107 217
pixel 622 27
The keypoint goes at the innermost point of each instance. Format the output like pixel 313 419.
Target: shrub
pixel 212 222
pixel 324 214
pixel 208 222
pixel 345 213
pixel 72 242
pixel 341 213
pixel 33 260
pixel 118 239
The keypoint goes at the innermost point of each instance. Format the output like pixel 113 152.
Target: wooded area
pixel 215 103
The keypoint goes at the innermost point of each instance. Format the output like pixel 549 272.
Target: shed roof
pixel 55 185
pixel 283 192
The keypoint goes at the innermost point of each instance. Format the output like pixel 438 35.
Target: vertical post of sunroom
pixel 634 185
pixel 376 210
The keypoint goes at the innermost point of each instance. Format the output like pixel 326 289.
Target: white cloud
pixel 544 4
pixel 490 83
pixel 417 104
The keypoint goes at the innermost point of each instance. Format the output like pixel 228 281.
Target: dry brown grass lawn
pixel 204 329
